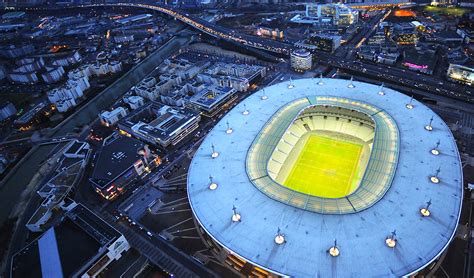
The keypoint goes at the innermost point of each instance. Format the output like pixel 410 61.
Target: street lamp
pixel 429 127
pixel 382 90
pixel 351 84
pixel 214 154
pixel 279 238
pixel 235 216
pixel 291 86
pixel 391 241
pixel 212 184
pixel 435 178
pixel 229 130
pixel 320 82
pixel 246 111
pixel 264 96
pixel 425 212
pixel 435 151
pixel 410 105
pixel 334 250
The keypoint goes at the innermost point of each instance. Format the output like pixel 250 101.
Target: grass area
pixel 326 167
pixel 454 11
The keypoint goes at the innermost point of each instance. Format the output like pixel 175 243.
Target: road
pixel 204 26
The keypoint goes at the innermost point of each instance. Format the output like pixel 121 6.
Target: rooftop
pixel 158 120
pixel 360 235
pixel 117 154
pixel 54 252
pixel 209 97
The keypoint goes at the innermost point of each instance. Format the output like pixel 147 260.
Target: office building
pixel 301 60
pixel 159 124
pixel 327 43
pixel 110 118
pixel 120 162
pixel 461 73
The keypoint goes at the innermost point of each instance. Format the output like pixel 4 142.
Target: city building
pixel 337 14
pixel 68 60
pixel 121 160
pixel 15 51
pixel 66 96
pixel 460 73
pixel 7 110
pixel 82 245
pixel 53 75
pixel 422 61
pixel 270 33
pixel 238 76
pixel 66 174
pixel 149 89
pixel 327 43
pixel 405 37
pixel 301 60
pixel 134 102
pixel 159 124
pixel 467 34
pixel 387 58
pixel 110 118
pixel 211 100
pixel 13 15
pixel 25 78
pixel 259 223
pixel 36 115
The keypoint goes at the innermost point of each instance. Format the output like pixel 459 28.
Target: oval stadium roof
pixel 360 235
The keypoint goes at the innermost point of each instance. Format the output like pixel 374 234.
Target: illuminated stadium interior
pixel 324 152
pixel 332 190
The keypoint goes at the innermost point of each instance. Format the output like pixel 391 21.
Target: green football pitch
pixel 325 167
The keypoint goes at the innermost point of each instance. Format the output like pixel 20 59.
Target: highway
pixel 209 28
pixel 346 62
pixel 408 78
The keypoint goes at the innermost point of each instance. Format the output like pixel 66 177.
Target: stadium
pixel 327 177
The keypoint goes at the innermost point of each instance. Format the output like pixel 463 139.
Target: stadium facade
pixel 397 219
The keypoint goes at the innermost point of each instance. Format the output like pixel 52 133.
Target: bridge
pixel 209 28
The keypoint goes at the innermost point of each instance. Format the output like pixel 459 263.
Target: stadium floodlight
pixel 429 126
pixel 425 212
pixel 214 154
pixel 228 130
pixel 435 151
pixel 435 177
pixel 382 90
pixel 351 84
pixel 334 250
pixel 410 104
pixel 391 241
pixel 279 238
pixel 212 184
pixel 320 82
pixel 291 85
pixel 246 111
pixel 264 96
pixel 235 216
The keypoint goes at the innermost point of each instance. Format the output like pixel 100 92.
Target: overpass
pixel 209 28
